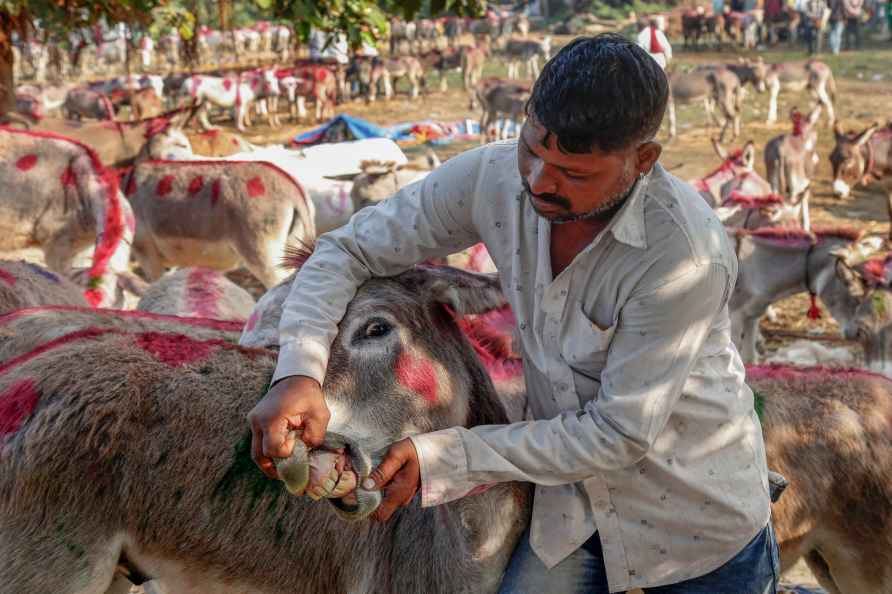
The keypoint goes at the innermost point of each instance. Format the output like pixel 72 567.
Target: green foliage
pixel 360 20
pixel 62 15
pixel 620 9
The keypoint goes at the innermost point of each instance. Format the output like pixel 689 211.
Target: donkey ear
pixel 465 292
pixel 718 148
pixel 865 136
pixel 749 154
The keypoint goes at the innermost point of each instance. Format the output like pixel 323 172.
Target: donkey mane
pixel 296 254
pixel 795 235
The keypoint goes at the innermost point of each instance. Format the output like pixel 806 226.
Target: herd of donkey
pixel 124 451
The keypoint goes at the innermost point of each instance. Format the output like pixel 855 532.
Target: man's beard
pixel 602 212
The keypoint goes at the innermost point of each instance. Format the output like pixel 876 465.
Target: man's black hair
pixel 602 92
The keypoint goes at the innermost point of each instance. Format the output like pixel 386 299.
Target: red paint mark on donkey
pixel 165 185
pixel 26 163
pixel 7 278
pixel 255 187
pixel 196 185
pixel 417 375
pixel 85 334
pixel 16 404
pixel 203 293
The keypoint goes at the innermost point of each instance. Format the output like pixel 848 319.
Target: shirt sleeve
pixel 659 336
pixel 429 218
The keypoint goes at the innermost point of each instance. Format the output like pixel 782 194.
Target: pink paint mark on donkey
pixel 175 350
pixel 417 375
pixel 225 325
pixel 491 335
pixel 16 405
pixel 85 334
pixel 196 185
pixel 252 321
pixel 216 188
pixel 255 187
pixel 165 186
pixel 26 163
pixel 7 278
pixel 68 177
pixel 789 372
pixel 798 237
pixel 751 202
pixel 203 293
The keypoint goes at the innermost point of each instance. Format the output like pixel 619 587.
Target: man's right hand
pixel 295 402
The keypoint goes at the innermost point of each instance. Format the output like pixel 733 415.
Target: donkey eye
pixel 374 329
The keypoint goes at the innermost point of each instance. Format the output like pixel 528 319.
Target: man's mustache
pixel 549 198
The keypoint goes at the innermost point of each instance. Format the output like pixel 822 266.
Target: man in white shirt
pixel 654 42
pixel 645 450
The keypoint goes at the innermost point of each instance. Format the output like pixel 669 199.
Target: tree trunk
pixel 7 82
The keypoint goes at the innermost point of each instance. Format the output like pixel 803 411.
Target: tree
pixel 361 20
pixel 19 17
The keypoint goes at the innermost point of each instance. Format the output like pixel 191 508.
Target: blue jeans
pixel 754 570
pixel 836 28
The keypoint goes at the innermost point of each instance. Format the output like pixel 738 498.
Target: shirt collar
pixel 628 225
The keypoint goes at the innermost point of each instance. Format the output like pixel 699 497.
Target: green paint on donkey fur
pixel 759 405
pixel 244 476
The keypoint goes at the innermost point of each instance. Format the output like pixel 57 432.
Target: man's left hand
pixel 398 475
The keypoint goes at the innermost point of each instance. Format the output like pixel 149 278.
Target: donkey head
pixel 842 287
pixel 743 160
pixel 872 323
pixel 400 364
pixel 172 144
pixel 847 159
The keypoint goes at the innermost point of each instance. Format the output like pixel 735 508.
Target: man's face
pixel 565 187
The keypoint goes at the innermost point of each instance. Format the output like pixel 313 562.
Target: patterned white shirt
pixel 642 426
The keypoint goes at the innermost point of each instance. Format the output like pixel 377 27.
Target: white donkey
pixel 236 93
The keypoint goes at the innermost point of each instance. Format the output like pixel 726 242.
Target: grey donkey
pixel 157 477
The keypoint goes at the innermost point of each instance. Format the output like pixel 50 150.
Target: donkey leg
pixel 772 103
pixel 806 219
pixel 824 99
pixel 818 566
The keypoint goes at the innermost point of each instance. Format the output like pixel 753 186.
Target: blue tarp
pixel 355 127
pixel 347 127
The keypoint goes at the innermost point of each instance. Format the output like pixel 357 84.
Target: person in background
pixel 852 10
pixel 889 18
pixel 654 42
pixel 718 7
pixel 813 14
pixel 773 11
pixel 837 24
